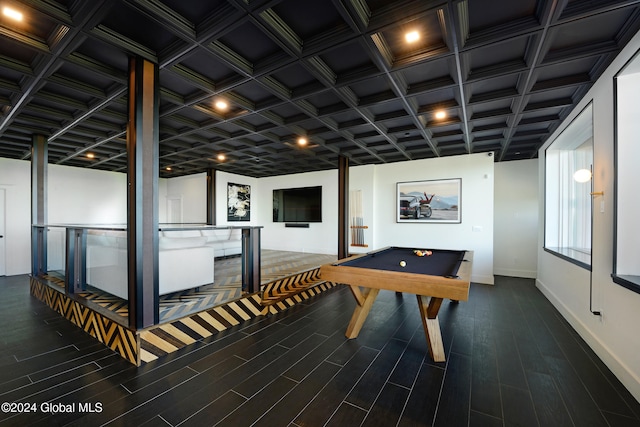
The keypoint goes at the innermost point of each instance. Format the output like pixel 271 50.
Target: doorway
pixel 3 269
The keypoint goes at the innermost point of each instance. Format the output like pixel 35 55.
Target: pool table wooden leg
pixel 364 301
pixel 429 308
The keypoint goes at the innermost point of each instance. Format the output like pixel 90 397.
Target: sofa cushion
pixel 181 233
pixel 216 235
pixel 181 242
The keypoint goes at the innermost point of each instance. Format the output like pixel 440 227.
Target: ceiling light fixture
pixel 91 155
pixel 302 141
pixel 12 13
pixel 221 157
pixel 440 115
pixel 412 36
pixel 222 105
pixel 168 168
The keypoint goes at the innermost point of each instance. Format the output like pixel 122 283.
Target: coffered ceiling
pixel 339 73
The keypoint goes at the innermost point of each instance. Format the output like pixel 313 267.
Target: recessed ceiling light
pixel 440 115
pixel 222 105
pixel 412 36
pixel 168 168
pixel 221 157
pixel 90 155
pixel 12 13
pixel 302 141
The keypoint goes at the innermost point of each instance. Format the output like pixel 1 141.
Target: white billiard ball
pixel 402 263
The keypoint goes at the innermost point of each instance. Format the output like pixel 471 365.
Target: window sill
pixel 579 258
pixel 630 282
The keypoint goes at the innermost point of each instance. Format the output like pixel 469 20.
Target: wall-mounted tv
pixel 297 204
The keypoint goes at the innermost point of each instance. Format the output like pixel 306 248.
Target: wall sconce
pixel 582 175
pixel 585 175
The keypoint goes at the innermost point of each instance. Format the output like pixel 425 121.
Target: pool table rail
pixel 420 284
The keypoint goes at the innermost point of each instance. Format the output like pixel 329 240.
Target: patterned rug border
pixel 147 345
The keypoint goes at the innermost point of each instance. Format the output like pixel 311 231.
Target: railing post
pixel 76 260
pixel 38 250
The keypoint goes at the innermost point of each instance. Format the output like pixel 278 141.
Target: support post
pixel 39 182
pixel 343 207
pixel 142 197
pixel 211 196
pixel 251 275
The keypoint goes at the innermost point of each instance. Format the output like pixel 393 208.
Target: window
pixel 567 197
pixel 627 153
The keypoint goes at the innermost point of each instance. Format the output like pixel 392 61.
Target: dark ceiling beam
pixel 580 10
pixel 549 10
pixel 85 115
pixel 85 15
pixel 381 55
pixel 90 147
pixel 165 17
pixel 112 37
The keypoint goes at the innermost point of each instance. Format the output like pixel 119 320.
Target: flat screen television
pixel 297 204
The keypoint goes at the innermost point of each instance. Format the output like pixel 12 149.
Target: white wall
pixel 75 196
pixel 378 185
pixel 363 178
pixel 191 192
pixel 15 178
pixel 477 174
pixel 259 199
pixel 84 196
pixel 612 336
pixel 321 238
pixel 88 196
pixel 516 219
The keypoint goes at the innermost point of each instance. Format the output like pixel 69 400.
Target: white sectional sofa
pixel 225 241
pixel 185 258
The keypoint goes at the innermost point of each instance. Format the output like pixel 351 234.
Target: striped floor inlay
pixel 117 337
pixel 192 316
pixel 169 337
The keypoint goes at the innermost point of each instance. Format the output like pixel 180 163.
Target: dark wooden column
pixel 343 207
pixel 251 274
pixel 39 182
pixel 211 196
pixel 142 197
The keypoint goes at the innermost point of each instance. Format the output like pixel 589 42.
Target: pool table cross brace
pixel 429 307
pixel 364 302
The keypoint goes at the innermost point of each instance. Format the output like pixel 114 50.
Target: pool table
pixel 443 274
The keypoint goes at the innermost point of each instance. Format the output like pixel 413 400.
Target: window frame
pixel 629 281
pixel 572 255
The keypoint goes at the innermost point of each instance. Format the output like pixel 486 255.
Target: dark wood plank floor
pixel 511 360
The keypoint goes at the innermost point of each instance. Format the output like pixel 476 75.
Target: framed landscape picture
pixel 238 202
pixel 434 201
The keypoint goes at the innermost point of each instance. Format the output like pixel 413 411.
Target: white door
pixel 3 269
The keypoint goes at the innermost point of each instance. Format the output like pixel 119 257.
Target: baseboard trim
pixel 509 272
pixel 627 377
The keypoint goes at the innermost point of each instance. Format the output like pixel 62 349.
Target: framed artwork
pixel 435 201
pixel 238 202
